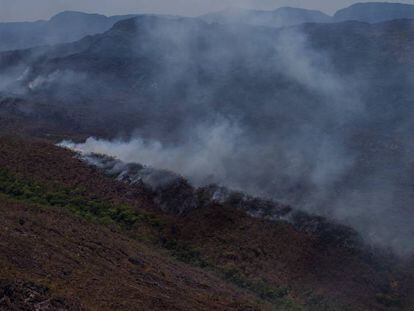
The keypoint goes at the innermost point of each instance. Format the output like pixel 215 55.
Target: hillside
pixel 68 252
pixel 66 246
pixel 129 69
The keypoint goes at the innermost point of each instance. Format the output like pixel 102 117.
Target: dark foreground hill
pixel 56 242
pixel 74 238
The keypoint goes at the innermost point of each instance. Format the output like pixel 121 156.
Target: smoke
pixel 278 147
pixel 272 146
pixel 228 146
pixel 202 158
pixel 54 79
pixel 9 77
pixel 295 115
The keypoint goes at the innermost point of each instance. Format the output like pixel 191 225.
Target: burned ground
pixel 113 248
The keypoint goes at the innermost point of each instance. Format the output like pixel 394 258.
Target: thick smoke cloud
pixel 265 111
pixel 298 161
pixel 201 158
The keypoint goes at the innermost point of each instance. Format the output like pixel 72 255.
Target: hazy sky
pixel 18 10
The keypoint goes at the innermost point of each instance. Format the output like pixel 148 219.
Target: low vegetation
pixel 162 233
pixel 93 209
pixel 74 200
pixel 279 295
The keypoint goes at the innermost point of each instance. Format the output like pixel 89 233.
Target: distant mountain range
pixel 374 12
pixel 278 18
pixel 64 27
pixel 71 26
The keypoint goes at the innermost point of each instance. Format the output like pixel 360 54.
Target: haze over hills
pixel 209 163
pixel 71 26
pixel 309 90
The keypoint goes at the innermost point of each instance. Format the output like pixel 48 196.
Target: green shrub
pixel 184 253
pixel 74 200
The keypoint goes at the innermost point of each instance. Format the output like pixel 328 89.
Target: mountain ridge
pixel 370 12
pixel 69 26
pixel 375 12
pixel 281 17
pixel 63 27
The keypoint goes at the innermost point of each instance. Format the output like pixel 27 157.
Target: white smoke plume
pixel 201 159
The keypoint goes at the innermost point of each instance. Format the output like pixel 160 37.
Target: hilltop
pixel 375 12
pixel 66 26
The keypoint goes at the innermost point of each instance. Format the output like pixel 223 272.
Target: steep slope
pixel 83 263
pixel 70 231
pixel 281 17
pixel 102 268
pixel 67 26
pixel 375 12
pixel 248 252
